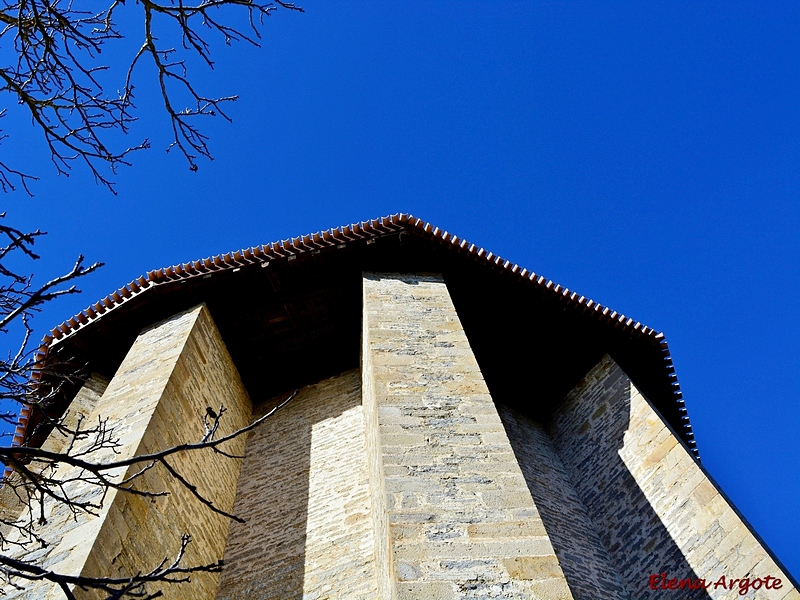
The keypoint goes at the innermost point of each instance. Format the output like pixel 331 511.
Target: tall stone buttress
pixel 155 401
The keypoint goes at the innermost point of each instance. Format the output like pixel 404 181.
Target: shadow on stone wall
pixel 588 431
pixel 584 560
pixel 265 556
pixel 304 493
pixel 603 529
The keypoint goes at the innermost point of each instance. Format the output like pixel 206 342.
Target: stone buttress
pixel 654 508
pixel 459 518
pixel 173 371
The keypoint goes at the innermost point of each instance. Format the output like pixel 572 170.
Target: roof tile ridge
pixel 604 313
pixel 337 236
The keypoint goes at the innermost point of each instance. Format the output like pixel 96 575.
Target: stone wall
pixel 655 509
pixel 12 507
pixel 461 519
pixel 586 564
pixel 306 497
pixel 155 400
pixel 77 414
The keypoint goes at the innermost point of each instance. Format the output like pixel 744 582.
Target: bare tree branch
pixel 61 84
pixel 33 463
pixel 13 452
pixel 127 587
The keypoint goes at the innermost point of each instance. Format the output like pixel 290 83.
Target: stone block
pixel 417 362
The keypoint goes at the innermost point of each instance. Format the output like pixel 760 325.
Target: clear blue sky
pixel 643 154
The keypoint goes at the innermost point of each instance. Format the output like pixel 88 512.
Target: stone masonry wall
pixel 384 565
pixel 12 507
pixel 461 519
pixel 654 507
pixel 586 564
pixel 306 498
pixel 77 415
pixel 155 400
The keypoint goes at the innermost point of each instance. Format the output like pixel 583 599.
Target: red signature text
pixel 661 581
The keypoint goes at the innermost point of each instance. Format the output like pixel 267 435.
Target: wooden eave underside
pixel 290 314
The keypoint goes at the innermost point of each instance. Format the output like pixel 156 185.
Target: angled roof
pixel 290 313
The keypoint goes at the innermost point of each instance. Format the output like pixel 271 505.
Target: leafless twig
pixel 58 79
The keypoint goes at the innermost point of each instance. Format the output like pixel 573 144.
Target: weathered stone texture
pixel 11 506
pixel 77 415
pixel 173 371
pixel 461 519
pixel 384 566
pixel 306 498
pixel 204 375
pixel 652 504
pixel 582 556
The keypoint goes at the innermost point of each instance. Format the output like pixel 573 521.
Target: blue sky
pixel 643 154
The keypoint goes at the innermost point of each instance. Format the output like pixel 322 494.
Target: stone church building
pixel 464 429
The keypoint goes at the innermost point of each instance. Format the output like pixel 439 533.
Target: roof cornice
pixel 365 231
